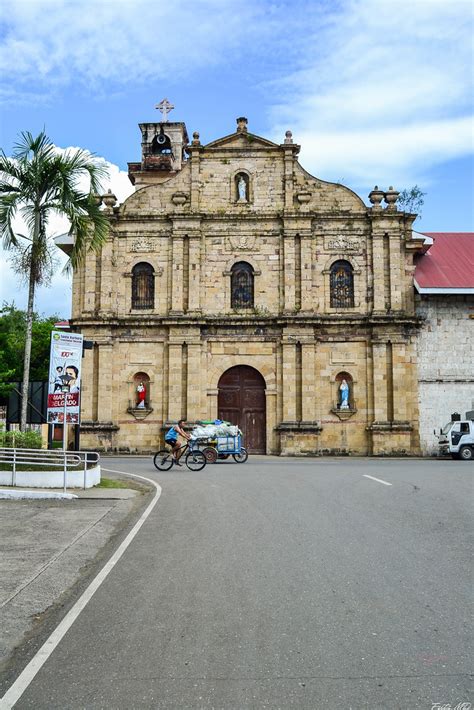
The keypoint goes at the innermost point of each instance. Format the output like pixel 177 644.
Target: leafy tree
pixel 37 182
pixel 12 346
pixel 412 200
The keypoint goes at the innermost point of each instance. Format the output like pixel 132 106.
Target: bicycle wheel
pixel 195 460
pixel 163 460
pixel 242 457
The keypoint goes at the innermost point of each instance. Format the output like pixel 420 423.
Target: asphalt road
pixel 281 583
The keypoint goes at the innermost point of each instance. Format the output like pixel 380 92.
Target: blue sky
pixel 375 92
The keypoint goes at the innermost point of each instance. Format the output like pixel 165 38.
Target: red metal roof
pixel 448 265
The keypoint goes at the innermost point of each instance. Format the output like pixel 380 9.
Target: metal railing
pixel 48 458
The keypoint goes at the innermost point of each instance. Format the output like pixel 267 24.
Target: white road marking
pixel 17 689
pixel 379 480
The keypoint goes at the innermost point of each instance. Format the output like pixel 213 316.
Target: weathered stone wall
pixel 192 228
pixel 445 349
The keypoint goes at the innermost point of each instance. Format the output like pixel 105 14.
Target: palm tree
pixel 35 183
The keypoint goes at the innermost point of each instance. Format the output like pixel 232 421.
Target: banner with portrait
pixel 65 377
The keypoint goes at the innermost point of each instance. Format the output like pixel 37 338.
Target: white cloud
pixel 93 43
pixel 383 91
pixel 55 299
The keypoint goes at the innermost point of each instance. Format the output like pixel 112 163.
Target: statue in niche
pixel 141 395
pixel 242 189
pixel 344 390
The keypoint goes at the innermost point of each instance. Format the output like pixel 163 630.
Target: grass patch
pixel 112 483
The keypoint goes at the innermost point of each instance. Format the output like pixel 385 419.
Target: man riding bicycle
pixel 171 438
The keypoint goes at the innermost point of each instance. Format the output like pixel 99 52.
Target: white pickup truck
pixel 457 438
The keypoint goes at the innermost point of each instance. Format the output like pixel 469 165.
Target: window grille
pixel 242 285
pixel 143 286
pixel 342 285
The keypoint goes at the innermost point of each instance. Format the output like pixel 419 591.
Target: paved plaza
pixel 279 583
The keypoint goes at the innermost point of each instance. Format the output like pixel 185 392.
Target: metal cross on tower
pixel 165 107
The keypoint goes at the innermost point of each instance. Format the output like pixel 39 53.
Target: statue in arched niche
pixel 242 188
pixel 344 390
pixel 141 395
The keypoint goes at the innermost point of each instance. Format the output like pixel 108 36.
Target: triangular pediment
pixel 242 140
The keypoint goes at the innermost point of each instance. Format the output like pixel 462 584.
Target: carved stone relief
pixel 142 244
pixel 241 242
pixel 343 244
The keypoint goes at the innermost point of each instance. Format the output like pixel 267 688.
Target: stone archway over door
pixel 242 401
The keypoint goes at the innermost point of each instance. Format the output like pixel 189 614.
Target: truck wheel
pixel 466 453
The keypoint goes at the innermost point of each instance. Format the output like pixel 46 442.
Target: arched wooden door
pixel 241 401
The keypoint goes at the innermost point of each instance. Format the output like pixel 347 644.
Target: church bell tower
pixel 163 149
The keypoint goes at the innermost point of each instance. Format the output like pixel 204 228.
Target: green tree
pixel 412 200
pixel 37 182
pixel 12 346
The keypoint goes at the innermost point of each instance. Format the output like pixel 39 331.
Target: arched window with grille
pixel 241 280
pixel 341 284
pixel 143 286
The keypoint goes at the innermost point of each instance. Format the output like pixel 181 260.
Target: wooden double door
pixel 241 400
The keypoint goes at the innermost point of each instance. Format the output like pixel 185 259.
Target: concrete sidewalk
pixel 46 547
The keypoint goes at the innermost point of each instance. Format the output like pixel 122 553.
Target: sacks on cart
pixel 214 431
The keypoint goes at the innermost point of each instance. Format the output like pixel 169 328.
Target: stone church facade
pixel 236 285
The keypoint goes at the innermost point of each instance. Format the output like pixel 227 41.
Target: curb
pixel 34 495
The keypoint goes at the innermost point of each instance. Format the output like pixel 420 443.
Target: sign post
pixel 64 384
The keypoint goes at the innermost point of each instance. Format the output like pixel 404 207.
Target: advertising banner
pixel 64 377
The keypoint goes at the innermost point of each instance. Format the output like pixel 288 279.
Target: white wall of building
pixel 445 362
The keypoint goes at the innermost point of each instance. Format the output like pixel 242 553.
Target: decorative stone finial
pixel 376 196
pixel 391 197
pixel 165 107
pixel 109 199
pixel 242 125
pixel 196 140
pixel 288 137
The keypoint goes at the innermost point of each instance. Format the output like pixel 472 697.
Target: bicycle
pixel 194 459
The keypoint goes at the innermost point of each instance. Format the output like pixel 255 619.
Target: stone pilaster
pixel 289 272
pixel 90 277
pixel 105 383
pixel 177 265
pixel 106 278
pixel 307 297
pixel 401 373
pixel 379 359
pixel 308 381
pixel 175 381
pixel 378 272
pixel 289 383
pixel 194 278
pixel 194 382
pixel 395 273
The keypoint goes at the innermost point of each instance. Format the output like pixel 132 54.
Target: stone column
pixel 379 358
pixel 177 265
pixel 289 383
pixel 175 381
pixel 105 388
pixel 194 278
pixel 308 379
